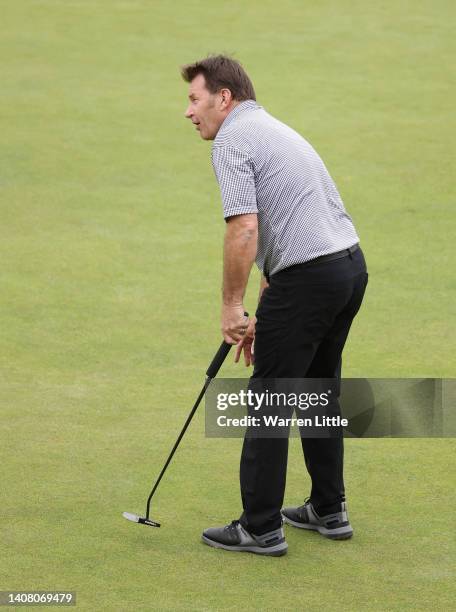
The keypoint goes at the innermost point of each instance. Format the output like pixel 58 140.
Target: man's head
pixel 217 84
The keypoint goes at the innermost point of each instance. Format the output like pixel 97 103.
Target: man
pixel 283 210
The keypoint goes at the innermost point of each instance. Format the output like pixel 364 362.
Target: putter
pixel 210 374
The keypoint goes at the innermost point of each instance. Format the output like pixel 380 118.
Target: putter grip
pixel 220 357
pixel 218 360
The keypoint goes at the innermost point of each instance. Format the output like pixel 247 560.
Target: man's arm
pixel 263 284
pixel 240 248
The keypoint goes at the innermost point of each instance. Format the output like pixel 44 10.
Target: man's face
pixel 207 111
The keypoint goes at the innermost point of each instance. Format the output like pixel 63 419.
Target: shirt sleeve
pixel 236 179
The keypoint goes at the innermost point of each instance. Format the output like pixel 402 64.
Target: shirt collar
pixel 239 109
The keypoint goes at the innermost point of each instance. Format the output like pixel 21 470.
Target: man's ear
pixel 226 97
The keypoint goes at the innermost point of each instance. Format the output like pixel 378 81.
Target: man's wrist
pixel 231 301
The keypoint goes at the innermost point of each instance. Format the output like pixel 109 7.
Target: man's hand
pixel 234 323
pixel 247 343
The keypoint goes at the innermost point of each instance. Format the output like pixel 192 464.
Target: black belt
pixel 332 256
pixel 329 257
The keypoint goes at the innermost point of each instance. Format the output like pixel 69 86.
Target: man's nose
pixel 188 112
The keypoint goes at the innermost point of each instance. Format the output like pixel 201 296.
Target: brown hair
pixel 221 71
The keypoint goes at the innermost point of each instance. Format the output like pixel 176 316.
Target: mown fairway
pixel 110 246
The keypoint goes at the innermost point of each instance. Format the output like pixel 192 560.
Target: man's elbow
pixel 245 226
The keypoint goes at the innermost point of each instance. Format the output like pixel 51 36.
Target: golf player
pixel 282 210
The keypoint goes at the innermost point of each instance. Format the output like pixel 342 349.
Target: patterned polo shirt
pixel 265 167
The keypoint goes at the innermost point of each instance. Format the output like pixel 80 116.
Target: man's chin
pixel 205 137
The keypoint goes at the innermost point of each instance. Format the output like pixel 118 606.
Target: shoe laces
pixel 232 525
pixel 306 503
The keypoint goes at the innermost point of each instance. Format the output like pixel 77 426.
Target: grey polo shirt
pixel 265 167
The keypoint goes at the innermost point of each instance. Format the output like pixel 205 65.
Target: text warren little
pixel 276 421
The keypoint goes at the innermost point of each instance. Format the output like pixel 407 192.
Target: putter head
pixel 134 518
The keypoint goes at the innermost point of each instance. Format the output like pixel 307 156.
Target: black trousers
pixel 303 320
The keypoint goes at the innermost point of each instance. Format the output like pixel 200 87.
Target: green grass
pixel 110 246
